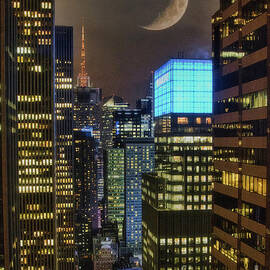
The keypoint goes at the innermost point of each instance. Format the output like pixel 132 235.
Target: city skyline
pixel 91 181
pixel 121 55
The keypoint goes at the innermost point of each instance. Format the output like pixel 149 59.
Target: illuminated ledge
pixel 254 24
pixel 255 57
pixel 253 226
pixel 252 253
pixel 227 93
pixel 220 211
pixel 254 198
pixel 226 166
pixel 226 190
pixel 254 114
pixel 225 237
pixel 230 68
pixel 226 118
pixel 255 142
pixel 226 141
pixel 223 259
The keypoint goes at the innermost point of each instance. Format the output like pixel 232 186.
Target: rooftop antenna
pixel 83 77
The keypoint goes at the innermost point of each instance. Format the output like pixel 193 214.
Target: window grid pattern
pixel 183 86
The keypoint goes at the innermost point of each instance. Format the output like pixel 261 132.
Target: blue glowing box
pixel 183 86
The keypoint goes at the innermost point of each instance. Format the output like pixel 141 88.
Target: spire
pixel 83 78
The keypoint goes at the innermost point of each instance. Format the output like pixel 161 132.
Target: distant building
pixel 127 262
pixel 85 191
pixel 127 124
pixel 115 187
pixel 139 159
pixel 128 143
pixel 87 109
pixel 146 107
pixel 110 104
pixel 177 198
pixel 105 258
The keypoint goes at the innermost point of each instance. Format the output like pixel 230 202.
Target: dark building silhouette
pixel 64 148
pixel 85 190
pixel 9 203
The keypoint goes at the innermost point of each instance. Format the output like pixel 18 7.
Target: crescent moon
pixel 169 17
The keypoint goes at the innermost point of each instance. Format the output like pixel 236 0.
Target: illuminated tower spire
pixel 83 78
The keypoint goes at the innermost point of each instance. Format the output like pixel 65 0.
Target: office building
pixel 64 148
pixel 85 189
pixel 86 98
pixel 139 159
pixel 87 111
pixel 105 249
pixel 35 115
pixel 104 259
pixel 110 104
pixel 9 203
pixel 115 187
pixel 241 159
pixel 177 198
pixel 126 124
pixel 145 105
pixel 122 166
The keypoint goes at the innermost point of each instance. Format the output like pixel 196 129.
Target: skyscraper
pixel 88 160
pixel 126 124
pixel 35 114
pixel 115 186
pixel 146 107
pixel 9 207
pixel 139 159
pixel 85 188
pixel 241 135
pixel 124 167
pixel 87 111
pixel 177 198
pixel 64 148
pixel 110 104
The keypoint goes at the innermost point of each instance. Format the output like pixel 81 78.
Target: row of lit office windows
pixel 250 183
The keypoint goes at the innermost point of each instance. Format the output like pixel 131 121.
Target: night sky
pixel 120 54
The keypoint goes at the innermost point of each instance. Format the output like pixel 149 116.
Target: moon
pixel 169 17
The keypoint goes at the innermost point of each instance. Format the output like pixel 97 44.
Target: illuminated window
pixel 208 120
pixel 182 120
pixel 198 120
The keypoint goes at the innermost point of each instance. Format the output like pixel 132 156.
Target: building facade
pixel 146 107
pixel 85 189
pixel 139 159
pixel 177 198
pixel 64 148
pixel 110 104
pixel 35 115
pixel 115 187
pixel 241 137
pixel 9 203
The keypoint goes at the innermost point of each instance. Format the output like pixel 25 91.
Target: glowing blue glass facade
pixel 183 86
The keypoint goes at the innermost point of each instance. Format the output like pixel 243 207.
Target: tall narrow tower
pixel 35 133
pixel 9 204
pixel 83 77
pixel 88 165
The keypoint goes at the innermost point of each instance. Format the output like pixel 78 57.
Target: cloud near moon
pixel 169 17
